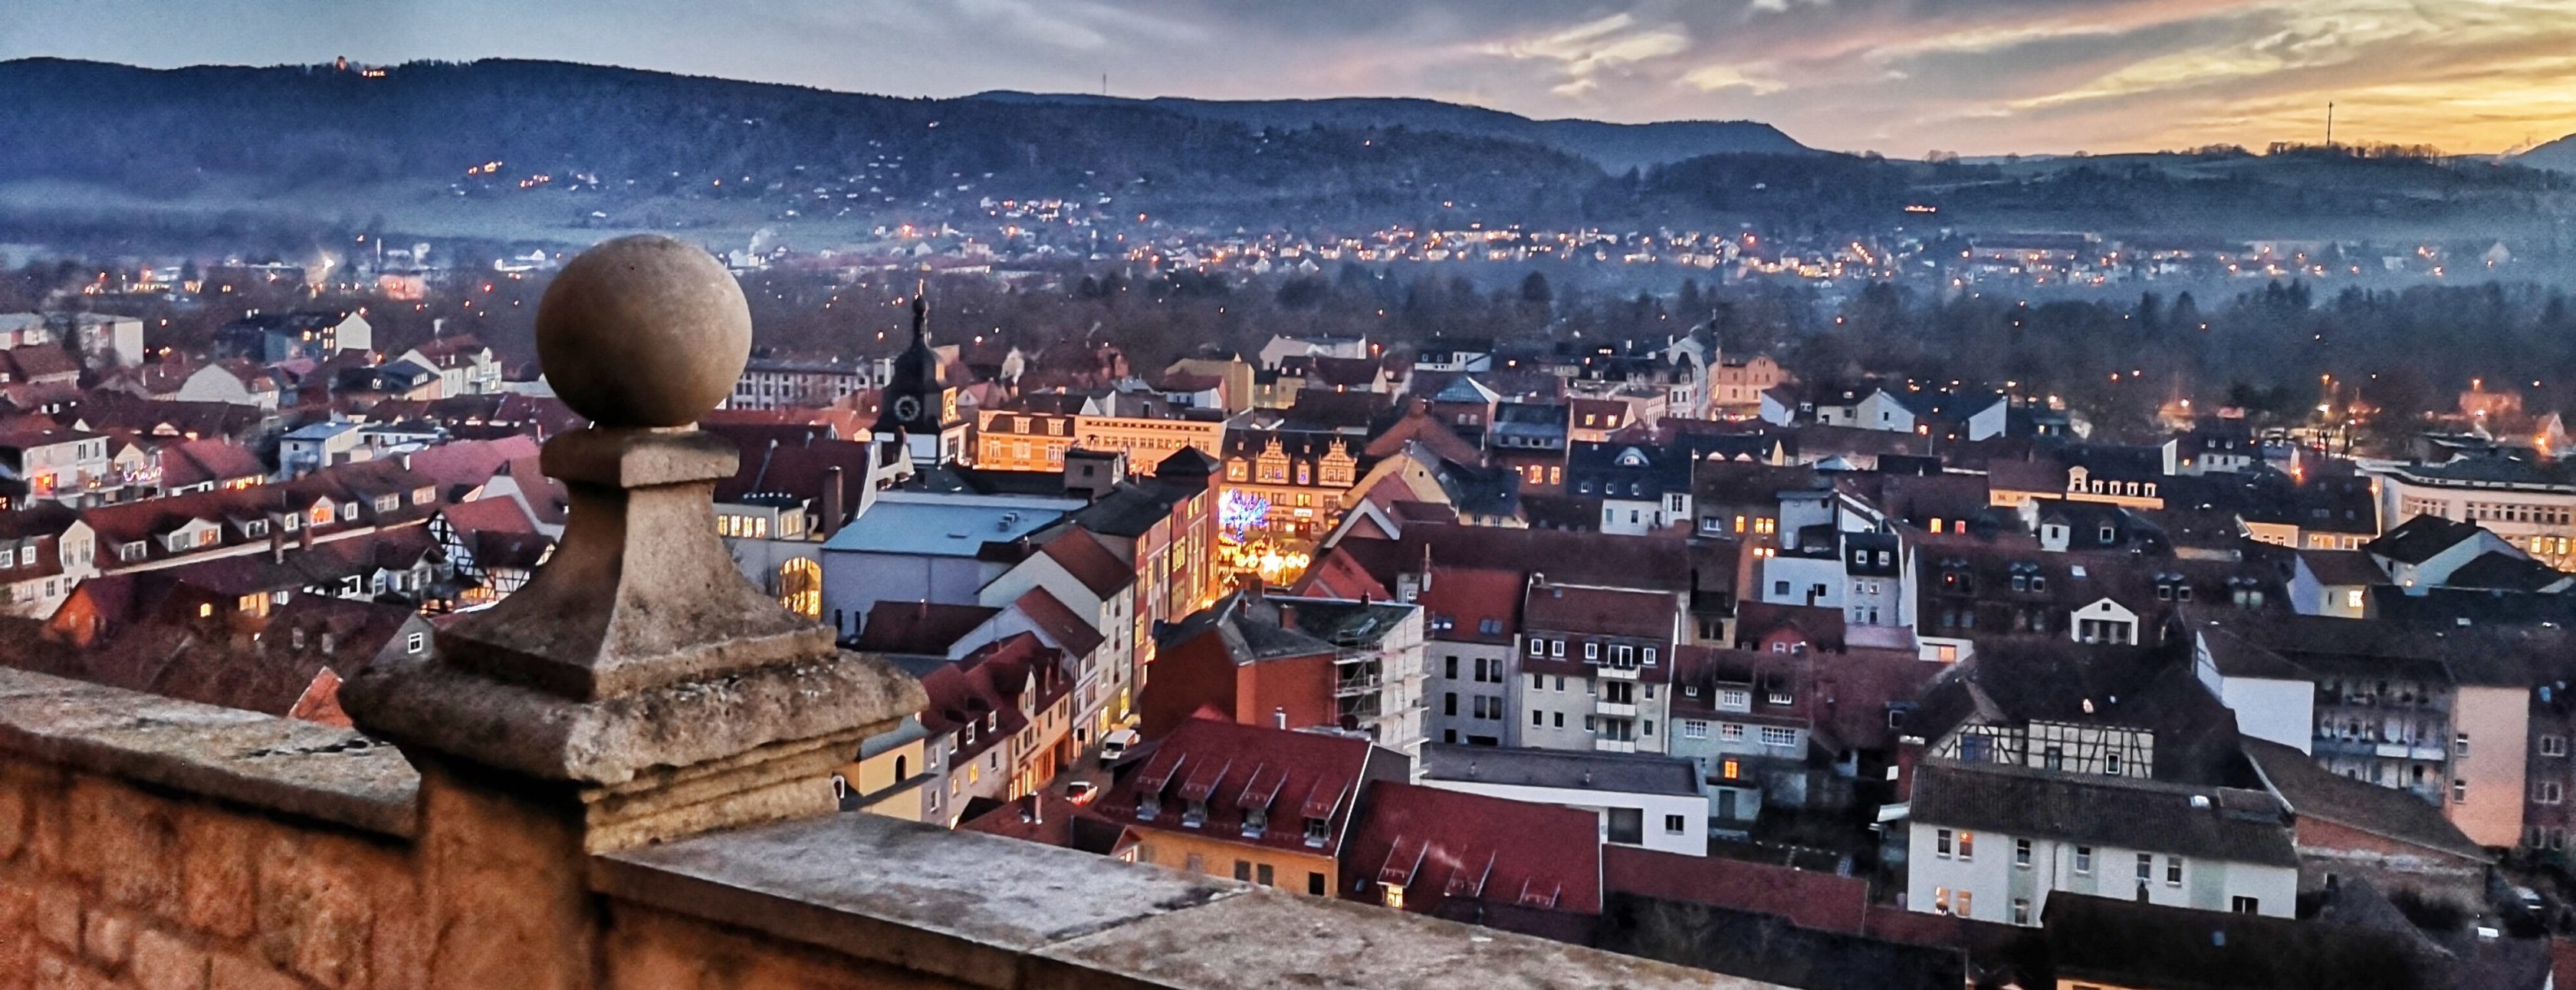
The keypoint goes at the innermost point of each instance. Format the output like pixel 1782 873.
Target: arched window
pixel 800 587
pixel 898 769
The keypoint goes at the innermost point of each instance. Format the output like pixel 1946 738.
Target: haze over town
pixel 1817 494
pixel 1977 77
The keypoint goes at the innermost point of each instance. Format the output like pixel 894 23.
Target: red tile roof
pixel 1804 897
pixel 1442 845
pixel 1821 627
pixel 1292 776
pixel 40 362
pixel 1082 556
pixel 1059 622
pixel 984 688
pixel 1467 597
pixel 1339 575
pixel 470 463
pixel 208 461
pixel 1601 611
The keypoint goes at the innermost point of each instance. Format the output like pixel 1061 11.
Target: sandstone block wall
pixel 109 884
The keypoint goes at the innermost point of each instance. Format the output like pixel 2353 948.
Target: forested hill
pixel 168 132
pixel 2559 155
pixel 172 132
pixel 1616 147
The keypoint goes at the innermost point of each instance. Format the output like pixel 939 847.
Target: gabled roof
pixel 1465 388
pixel 1059 622
pixel 982 692
pixel 2420 539
pixel 1805 897
pixel 1442 845
pixel 1252 628
pixel 1468 597
pixel 468 463
pixel 1822 627
pixel 2497 570
pixel 488 515
pixel 2123 812
pixel 1290 775
pixel 2117 942
pixel 1600 611
pixel 1081 555
pixel 2313 792
pixel 2341 568
pixel 925 628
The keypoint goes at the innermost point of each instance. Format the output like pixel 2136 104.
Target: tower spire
pixel 921 312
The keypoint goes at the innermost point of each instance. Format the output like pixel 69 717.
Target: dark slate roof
pixel 1251 627
pixel 2312 791
pixel 2100 940
pixel 1632 773
pixel 2498 570
pixel 2343 567
pixel 2113 811
pixel 2419 539
pixel 919 627
pixel 2315 647
pixel 2016 680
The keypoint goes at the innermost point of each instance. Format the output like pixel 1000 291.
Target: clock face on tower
pixel 907 407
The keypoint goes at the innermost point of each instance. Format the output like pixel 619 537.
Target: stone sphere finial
pixel 643 331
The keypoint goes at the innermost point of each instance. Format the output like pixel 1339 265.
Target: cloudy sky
pixel 1897 76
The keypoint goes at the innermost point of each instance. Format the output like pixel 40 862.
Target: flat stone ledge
pixel 244 758
pixel 1270 938
pixel 996 912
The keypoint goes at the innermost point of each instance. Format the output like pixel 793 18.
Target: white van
pixel 1114 745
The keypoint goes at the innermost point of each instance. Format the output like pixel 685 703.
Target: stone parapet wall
pixel 154 844
pixel 157 845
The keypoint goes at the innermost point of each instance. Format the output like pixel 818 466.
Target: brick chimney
pixel 832 511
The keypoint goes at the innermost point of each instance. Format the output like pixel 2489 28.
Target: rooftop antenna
pixel 1104 84
pixel 2329 123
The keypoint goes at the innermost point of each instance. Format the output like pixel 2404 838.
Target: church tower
pixel 918 409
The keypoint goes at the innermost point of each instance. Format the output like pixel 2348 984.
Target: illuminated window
pixel 800 587
pixel 1731 770
pixel 206 610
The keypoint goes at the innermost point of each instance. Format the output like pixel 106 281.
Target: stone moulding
pixel 247 759
pixel 987 911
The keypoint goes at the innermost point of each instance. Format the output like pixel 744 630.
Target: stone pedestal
pixel 637 690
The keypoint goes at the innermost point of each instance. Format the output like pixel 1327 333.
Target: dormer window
pixel 1195 814
pixel 1255 822
pixel 1318 831
pixel 1148 807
